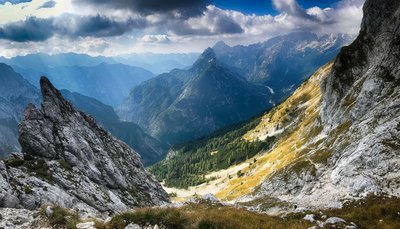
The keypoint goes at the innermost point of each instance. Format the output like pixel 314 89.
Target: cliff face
pixel 360 116
pixel 365 73
pixel 71 161
pixel 337 134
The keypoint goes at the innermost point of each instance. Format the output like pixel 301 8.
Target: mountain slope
pixel 15 94
pixel 150 149
pixel 337 135
pixel 72 162
pixel 108 83
pixel 40 61
pixel 185 105
pixel 282 63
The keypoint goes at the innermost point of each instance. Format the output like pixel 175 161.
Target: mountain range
pixel 159 63
pixel 188 104
pixel 267 63
pixel 323 153
pixel 16 93
pixel 227 85
pixel 335 139
pixel 108 83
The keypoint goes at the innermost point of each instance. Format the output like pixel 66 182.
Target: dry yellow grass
pixel 297 117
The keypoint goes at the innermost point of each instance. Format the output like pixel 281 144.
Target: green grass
pixel 204 216
pixel 14 162
pixel 38 167
pixel 61 217
pixel 371 212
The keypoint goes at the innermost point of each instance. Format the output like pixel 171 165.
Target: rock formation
pixel 360 116
pixel 72 162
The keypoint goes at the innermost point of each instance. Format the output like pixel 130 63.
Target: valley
pixel 288 118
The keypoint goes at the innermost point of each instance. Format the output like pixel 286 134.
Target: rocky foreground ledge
pixel 71 162
pixel 207 212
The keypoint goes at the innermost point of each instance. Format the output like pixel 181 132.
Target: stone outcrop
pixel 356 150
pixel 72 162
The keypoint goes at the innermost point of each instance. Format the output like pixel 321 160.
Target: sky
pixel 116 27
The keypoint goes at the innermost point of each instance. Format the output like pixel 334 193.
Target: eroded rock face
pixel 72 162
pixel 360 113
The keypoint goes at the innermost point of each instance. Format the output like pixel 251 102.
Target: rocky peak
pixel 206 59
pixel 220 46
pixel 81 165
pixel 370 64
pixel 54 105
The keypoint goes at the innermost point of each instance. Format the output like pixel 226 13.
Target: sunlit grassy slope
pixel 296 121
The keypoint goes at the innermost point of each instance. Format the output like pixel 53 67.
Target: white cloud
pixel 158 38
pixel 164 33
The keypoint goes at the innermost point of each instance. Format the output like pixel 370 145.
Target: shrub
pixel 61 217
pixel 28 190
pixel 15 162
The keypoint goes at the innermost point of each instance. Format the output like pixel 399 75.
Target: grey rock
pixel 309 217
pixel 16 218
pixel 360 113
pixel 350 227
pixel 49 211
pixel 133 226
pixel 86 168
pixel 334 220
pixel 87 225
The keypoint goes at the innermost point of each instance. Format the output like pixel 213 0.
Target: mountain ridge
pixel 196 97
pixel 72 162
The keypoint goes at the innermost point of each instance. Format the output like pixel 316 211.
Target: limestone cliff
pixel 70 161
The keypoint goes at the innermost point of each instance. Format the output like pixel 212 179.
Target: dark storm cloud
pixel 14 2
pixel 101 26
pixel 214 21
pixel 37 29
pixel 32 29
pixel 226 25
pixel 48 4
pixel 187 8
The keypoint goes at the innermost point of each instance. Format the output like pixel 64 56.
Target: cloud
pixel 14 2
pixel 214 21
pixel 180 8
pixel 96 26
pixel 48 4
pixel 158 38
pixel 291 7
pixel 124 25
pixel 40 29
pixel 32 29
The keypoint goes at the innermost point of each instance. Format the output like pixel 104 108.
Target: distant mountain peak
pixel 220 45
pixel 207 58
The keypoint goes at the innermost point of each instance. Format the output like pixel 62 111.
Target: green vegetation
pixel 27 190
pixel 14 162
pixel 65 165
pixel 372 212
pixel 38 167
pixel 204 216
pixel 197 158
pixel 61 217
